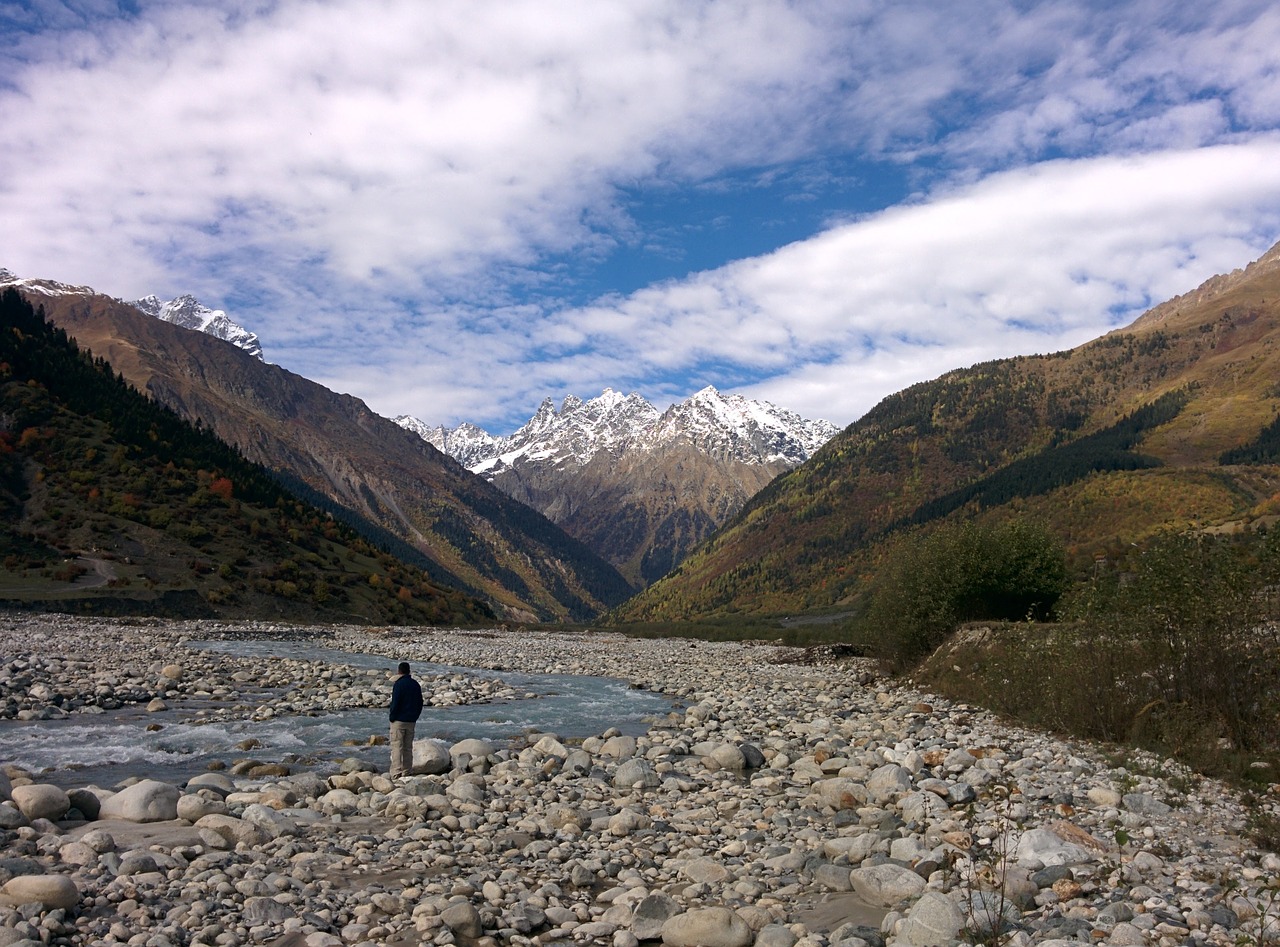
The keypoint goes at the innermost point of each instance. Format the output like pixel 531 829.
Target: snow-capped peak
pixel 46 287
pixel 190 313
pixel 185 311
pixel 731 427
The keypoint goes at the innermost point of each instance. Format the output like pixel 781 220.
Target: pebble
pixel 786 803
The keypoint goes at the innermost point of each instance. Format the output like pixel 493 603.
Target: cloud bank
pixel 404 200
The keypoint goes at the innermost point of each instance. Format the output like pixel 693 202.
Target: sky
pixel 454 210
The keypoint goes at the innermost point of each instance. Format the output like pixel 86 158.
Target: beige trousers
pixel 401 748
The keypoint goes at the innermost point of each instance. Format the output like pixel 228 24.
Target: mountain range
pixel 469 535
pixel 639 486
pixel 1168 424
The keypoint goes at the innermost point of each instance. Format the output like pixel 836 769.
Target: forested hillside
pixel 1168 424
pixel 113 504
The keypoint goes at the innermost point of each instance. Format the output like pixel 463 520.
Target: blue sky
pixel 455 209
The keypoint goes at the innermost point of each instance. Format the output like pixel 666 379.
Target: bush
pixel 1178 655
pixel 958 573
pixel 1194 613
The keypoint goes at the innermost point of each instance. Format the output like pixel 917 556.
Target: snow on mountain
pixel 728 427
pixel 185 311
pixel 733 427
pixel 46 287
pixel 190 313
pixel 466 443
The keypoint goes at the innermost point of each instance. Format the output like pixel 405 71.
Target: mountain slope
pixel 640 487
pixel 1107 443
pixel 112 503
pixel 477 539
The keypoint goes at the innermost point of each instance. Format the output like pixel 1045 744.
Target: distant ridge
pixel 639 486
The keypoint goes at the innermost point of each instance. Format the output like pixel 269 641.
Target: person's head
pixel 403 668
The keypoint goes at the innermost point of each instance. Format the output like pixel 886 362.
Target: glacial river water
pixel 105 748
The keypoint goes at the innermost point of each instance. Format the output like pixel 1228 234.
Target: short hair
pixel 403 668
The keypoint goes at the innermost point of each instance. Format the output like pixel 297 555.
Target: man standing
pixel 406 708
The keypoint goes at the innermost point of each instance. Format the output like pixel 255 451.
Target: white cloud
pixel 1025 261
pixel 380 183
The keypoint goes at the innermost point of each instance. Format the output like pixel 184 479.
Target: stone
pixel 840 794
pixel 51 892
pixel 474 748
pixel 218 782
pixel 430 758
pixel 990 912
pixel 888 782
pixel 704 870
pixel 933 921
pixel 146 801
pixel 752 756
pixel 833 877
pixel 775 935
pixel 853 848
pixel 463 919
pixel 635 772
pixel 264 910
pixel 706 927
pixel 651 914
pixel 41 801
pixel 1048 848
pixel 886 885
pixel 619 747
pixel 193 807
pixel 1146 804
pixel 1104 798
pixel 87 801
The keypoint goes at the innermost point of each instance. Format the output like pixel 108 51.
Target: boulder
pixel 218 782
pixel 706 927
pixel 728 756
pixel 933 921
pixel 234 831
pixel 651 913
pixel 619 747
pixel 463 919
pixel 146 801
pixel 840 793
pixel 1048 848
pixel 635 772
pixel 87 801
pixel 50 891
pixel 195 806
pixel 41 801
pixel 430 758
pixel 474 748
pixel 888 782
pixel 886 885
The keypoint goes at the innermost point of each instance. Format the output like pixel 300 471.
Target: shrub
pixel 958 573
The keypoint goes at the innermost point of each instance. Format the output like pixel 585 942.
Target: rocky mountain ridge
pixel 185 310
pixel 190 313
pixel 730 427
pixel 639 486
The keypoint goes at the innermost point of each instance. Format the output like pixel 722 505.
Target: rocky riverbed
pixel 787 803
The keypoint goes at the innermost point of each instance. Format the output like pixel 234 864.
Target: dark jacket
pixel 406 700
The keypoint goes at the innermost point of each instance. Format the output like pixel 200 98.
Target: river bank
pixel 786 803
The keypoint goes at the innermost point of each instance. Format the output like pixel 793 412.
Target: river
pixel 103 749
